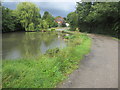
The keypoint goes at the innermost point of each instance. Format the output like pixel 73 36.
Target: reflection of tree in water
pixel 32 42
pixel 11 42
pixel 30 45
pixel 48 38
pixel 27 43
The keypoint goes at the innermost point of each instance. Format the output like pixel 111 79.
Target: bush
pixel 69 37
pixel 53 29
pixel 52 52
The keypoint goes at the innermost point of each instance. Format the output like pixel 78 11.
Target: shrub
pixel 52 52
pixel 69 37
pixel 53 29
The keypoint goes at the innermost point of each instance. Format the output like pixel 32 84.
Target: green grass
pixel 46 71
pixel 116 39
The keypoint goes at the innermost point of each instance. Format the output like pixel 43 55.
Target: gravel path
pixel 99 69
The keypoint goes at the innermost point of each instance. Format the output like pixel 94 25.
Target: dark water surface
pixel 25 44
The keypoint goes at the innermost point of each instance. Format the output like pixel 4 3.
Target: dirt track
pixel 99 69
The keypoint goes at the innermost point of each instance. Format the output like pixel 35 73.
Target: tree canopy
pixel 97 17
pixel 10 21
pixel 7 20
pixel 72 18
pixel 26 17
pixel 29 15
pixel 49 19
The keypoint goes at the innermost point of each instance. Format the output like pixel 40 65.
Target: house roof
pixel 59 20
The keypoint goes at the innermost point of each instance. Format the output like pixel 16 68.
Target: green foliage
pixel 65 18
pixel 28 13
pixel 31 27
pixel 102 20
pixel 39 27
pixel 7 20
pixel 45 71
pixel 50 19
pixel 97 17
pixel 26 17
pixel 69 37
pixel 53 29
pixel 10 21
pixel 46 14
pixel 45 24
pixel 52 52
pixel 63 25
pixel 55 24
pixel 72 18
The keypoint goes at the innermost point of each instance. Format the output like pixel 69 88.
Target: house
pixel 60 21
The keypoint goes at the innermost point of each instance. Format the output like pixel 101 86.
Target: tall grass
pixel 46 71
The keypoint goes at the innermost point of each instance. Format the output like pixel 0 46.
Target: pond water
pixel 26 44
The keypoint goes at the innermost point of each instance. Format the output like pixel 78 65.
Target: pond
pixel 27 44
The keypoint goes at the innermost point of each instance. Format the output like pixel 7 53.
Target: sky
pixel 55 7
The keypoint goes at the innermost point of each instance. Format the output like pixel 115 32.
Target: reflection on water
pixel 26 44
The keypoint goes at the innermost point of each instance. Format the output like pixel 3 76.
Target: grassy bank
pixel 116 39
pixel 46 71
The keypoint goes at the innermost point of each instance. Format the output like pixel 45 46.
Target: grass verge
pixel 46 71
pixel 116 39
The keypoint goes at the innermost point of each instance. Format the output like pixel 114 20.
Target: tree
pixel 65 18
pixel 45 15
pixel 31 27
pixel 72 19
pixel 28 13
pixel 99 17
pixel 49 18
pixel 45 24
pixel 7 20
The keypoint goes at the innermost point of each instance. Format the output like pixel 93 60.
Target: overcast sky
pixel 55 7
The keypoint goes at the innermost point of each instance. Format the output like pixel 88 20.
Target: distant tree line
pixel 26 17
pixel 96 17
